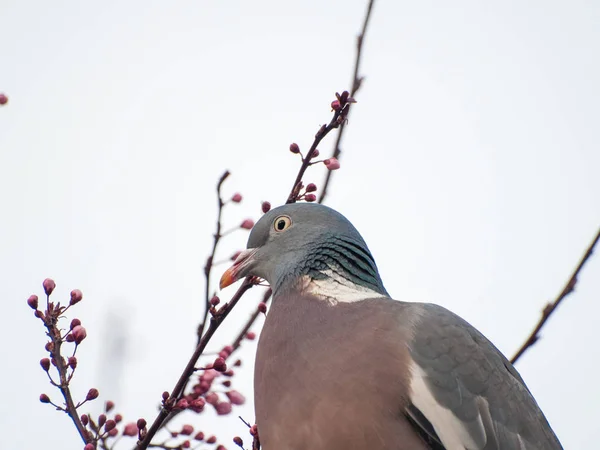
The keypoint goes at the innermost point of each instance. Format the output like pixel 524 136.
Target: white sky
pixel 470 166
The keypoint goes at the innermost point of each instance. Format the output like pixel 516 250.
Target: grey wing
pixel 465 394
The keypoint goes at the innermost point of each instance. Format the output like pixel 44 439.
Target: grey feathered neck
pixel 342 256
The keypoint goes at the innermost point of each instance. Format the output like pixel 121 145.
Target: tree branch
pixel 211 258
pixel 356 83
pixel 551 307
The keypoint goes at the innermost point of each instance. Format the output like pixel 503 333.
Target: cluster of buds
pixel 308 194
pixel 65 367
pixel 106 427
pixel 203 391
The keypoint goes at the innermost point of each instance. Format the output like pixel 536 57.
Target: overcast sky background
pixel 470 165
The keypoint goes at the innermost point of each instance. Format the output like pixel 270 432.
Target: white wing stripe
pixel 450 429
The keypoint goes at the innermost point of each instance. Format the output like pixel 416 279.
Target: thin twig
pixel 215 322
pixel 244 331
pixel 209 262
pixel 356 83
pixel 551 307
pixel 337 119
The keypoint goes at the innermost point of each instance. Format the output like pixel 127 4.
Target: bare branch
pixel 551 307
pixel 211 258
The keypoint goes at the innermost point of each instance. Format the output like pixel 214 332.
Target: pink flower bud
pixel 254 430
pixel 211 440
pixel 219 365
pixel 237 197
pixel 38 314
pixel 92 394
pixel 235 397
pixel 197 405
pixel 228 349
pixel 110 424
pixel 250 335
pixel 79 334
pixel 109 405
pixel 335 105
pixel 315 153
pixel 73 363
pixel 69 337
pixel 209 375
pixel 265 207
pixel 45 363
pixel 101 419
pixel 226 383
pixel 221 447
pixel 332 164
pixel 89 447
pixel 311 187
pixel 182 404
pixel 187 430
pixel 76 296
pixel 113 432
pixel 262 307
pixel 199 436
pixel 212 398
pixel 247 224
pixel 130 429
pixel 186 444
pixel 74 323
pixel 32 301
pixel 44 398
pixel 141 424
pixel 223 408
pixel 3 99
pixel 310 197
pixel 215 300
pixel 84 419
pixel 49 286
pixel 238 441
pixel 294 148
pixel 118 418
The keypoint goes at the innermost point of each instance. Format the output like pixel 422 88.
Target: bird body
pixel 341 365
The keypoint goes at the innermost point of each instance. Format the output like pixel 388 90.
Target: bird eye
pixel 282 223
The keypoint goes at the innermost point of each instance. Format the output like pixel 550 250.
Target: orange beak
pixel 235 272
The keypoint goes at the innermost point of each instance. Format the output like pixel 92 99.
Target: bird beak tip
pixel 228 278
pixel 232 274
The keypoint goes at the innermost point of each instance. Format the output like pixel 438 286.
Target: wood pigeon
pixel 341 365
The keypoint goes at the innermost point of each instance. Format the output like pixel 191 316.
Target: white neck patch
pixel 335 289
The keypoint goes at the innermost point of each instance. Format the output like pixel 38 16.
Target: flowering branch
pixel 170 400
pixel 50 319
pixel 551 307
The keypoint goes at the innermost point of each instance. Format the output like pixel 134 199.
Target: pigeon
pixel 342 365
